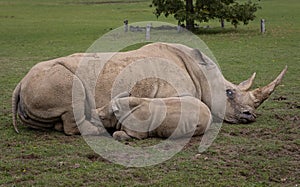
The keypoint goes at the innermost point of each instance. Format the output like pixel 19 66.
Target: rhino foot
pixel 86 128
pixel 121 136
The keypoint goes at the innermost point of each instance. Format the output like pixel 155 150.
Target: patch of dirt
pixel 51 134
pixel 29 156
pixel 289 104
pixel 194 141
pixel 7 17
pixel 294 105
pixel 293 119
pixel 280 98
pixel 95 157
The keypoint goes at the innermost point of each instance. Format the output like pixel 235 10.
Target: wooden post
pixel 125 25
pixel 179 28
pixel 148 28
pixel 262 26
pixel 222 23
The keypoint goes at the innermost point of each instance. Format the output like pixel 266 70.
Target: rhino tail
pixel 15 102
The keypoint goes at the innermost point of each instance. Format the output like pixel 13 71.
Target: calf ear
pixel 246 85
pixel 104 112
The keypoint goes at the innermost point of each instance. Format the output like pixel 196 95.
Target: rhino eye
pixel 230 93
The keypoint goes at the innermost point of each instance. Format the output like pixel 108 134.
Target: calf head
pixel 242 102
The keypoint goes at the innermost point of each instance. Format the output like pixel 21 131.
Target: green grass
pixel 265 153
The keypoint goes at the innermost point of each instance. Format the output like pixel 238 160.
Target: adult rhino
pixel 45 97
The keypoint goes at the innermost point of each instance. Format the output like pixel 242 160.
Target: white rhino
pixel 70 93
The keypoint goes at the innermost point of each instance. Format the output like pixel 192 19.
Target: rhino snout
pixel 247 117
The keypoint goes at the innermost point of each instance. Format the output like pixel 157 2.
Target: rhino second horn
pixel 261 94
pixel 246 85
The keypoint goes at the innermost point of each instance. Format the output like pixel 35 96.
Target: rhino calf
pixel 155 117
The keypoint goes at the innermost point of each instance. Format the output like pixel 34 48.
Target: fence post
pixel 179 28
pixel 222 23
pixel 262 26
pixel 125 25
pixel 148 28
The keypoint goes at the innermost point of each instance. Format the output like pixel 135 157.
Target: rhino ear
pixel 246 85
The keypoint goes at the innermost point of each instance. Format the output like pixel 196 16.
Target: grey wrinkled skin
pixel 44 100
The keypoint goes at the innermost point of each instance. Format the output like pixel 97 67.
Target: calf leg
pixel 121 135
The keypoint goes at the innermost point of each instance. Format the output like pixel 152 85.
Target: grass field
pixel 264 153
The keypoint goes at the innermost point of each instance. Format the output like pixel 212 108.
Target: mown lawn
pixel 264 153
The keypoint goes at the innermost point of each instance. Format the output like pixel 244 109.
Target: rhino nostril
pixel 247 117
pixel 247 113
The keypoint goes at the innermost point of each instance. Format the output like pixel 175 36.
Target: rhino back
pixel 122 73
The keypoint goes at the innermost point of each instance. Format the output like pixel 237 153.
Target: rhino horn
pixel 261 94
pixel 246 85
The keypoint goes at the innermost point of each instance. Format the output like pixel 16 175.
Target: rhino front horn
pixel 261 94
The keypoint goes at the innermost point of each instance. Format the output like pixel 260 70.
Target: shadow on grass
pixel 107 2
pixel 219 30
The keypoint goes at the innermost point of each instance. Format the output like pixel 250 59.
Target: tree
pixel 189 11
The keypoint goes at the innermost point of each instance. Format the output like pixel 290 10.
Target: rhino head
pixel 242 102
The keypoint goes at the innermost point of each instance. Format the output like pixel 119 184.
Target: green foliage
pixel 242 13
pixel 167 7
pixel 205 10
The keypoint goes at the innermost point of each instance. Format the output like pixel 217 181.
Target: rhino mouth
pixel 247 117
pixel 242 118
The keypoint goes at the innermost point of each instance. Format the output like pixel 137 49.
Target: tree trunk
pixel 222 23
pixel 189 7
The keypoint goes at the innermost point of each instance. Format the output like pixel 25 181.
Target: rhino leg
pixel 83 127
pixel 75 120
pixel 35 124
pixel 31 122
pixel 69 124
